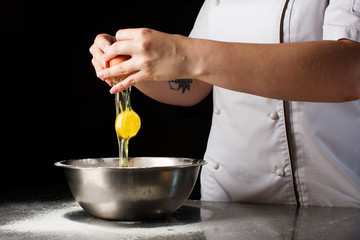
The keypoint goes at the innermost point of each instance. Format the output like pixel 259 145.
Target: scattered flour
pixel 71 221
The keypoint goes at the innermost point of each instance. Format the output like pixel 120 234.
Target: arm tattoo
pixel 180 84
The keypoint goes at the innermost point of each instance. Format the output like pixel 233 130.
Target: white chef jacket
pixel 270 151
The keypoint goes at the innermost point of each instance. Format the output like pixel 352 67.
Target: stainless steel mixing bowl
pixel 149 188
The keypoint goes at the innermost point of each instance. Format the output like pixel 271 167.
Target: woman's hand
pixel 102 42
pixel 155 56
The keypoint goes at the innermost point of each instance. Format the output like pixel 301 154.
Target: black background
pixel 55 108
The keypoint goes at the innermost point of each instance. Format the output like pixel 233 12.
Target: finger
pixel 98 56
pixel 98 68
pixel 109 82
pixel 126 47
pixel 121 86
pixel 130 81
pixel 127 34
pixel 96 65
pixel 104 40
pixel 110 72
pixel 126 67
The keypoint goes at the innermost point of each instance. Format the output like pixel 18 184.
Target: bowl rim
pixel 196 162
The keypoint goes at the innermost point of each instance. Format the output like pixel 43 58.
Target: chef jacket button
pixel 280 172
pixel 274 116
pixel 217 111
pixel 216 2
pixel 215 165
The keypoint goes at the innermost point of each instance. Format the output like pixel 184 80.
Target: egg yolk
pixel 127 123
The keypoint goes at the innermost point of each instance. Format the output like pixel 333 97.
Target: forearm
pixel 308 71
pixel 180 92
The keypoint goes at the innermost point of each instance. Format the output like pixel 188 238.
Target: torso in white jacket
pixel 271 151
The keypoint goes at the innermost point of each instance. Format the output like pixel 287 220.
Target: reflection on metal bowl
pixel 149 188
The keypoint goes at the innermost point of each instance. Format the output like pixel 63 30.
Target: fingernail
pixel 100 74
pixel 113 90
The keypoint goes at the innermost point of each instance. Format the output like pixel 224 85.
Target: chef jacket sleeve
pixel 342 20
pixel 200 29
